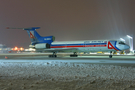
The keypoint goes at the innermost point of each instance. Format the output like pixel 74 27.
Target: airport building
pixel 4 48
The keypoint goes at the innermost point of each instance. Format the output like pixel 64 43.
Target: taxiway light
pixel 15 48
pixel 21 48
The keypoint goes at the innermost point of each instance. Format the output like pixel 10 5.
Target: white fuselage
pixel 90 45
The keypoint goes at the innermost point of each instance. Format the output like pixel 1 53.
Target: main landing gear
pixel 110 56
pixel 74 55
pixel 54 55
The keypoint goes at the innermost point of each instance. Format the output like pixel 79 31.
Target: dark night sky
pixel 67 20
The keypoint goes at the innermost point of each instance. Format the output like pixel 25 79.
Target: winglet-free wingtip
pixel 35 27
pixel 31 28
pixel 7 27
pixel 13 28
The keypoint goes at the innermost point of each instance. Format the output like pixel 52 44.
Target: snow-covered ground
pixel 56 70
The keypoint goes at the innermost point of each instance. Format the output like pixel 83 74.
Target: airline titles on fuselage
pixel 95 42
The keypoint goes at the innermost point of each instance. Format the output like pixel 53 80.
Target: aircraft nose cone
pixel 127 47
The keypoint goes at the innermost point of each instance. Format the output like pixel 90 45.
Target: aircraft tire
pixel 52 55
pixel 76 55
pixel 73 55
pixel 55 55
pixel 110 56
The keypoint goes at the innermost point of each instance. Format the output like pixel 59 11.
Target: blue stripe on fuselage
pixel 78 44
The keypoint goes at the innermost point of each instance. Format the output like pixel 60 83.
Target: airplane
pixel 48 43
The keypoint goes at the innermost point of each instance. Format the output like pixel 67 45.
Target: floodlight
pixel 129 36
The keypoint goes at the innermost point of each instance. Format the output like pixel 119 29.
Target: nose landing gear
pixel 54 55
pixel 110 56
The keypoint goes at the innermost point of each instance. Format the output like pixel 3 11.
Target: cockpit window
pixel 121 43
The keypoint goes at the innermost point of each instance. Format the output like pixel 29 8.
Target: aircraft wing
pixel 60 50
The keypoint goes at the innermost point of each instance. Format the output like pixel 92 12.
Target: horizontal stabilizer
pixel 30 28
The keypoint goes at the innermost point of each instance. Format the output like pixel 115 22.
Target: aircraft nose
pixel 127 47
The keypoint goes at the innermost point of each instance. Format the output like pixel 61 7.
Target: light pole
pixel 131 44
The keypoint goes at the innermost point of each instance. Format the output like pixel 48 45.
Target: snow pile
pixel 65 71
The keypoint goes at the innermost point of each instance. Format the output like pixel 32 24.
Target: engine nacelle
pixel 42 45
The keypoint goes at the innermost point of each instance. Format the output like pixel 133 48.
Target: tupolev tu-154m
pixel 48 44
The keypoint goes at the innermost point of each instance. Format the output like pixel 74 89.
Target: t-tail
pixel 37 41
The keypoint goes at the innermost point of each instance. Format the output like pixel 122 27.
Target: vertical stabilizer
pixel 35 37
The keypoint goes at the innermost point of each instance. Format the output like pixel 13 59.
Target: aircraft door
pixel 87 46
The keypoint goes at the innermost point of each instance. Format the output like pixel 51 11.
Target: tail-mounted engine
pixel 40 46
